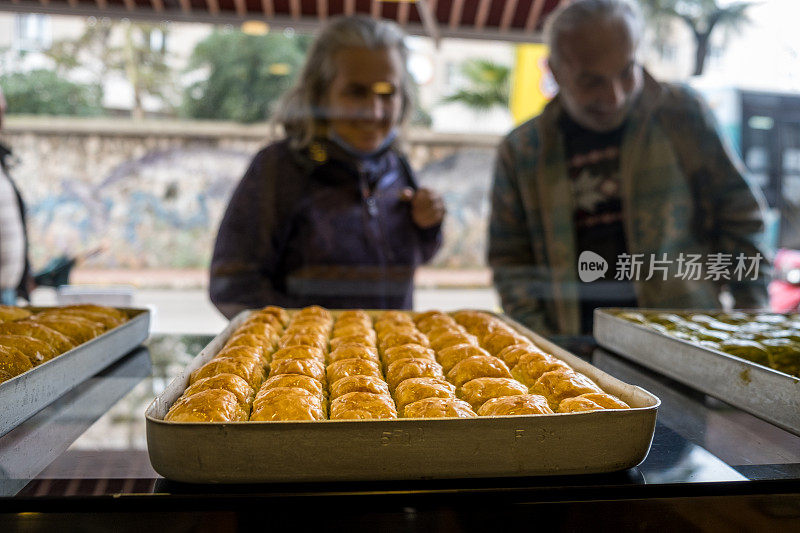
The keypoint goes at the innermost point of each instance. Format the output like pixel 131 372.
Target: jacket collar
pixel 323 152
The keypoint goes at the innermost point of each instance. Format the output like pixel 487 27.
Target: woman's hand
pixel 427 207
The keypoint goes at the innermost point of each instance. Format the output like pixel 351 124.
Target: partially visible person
pixel 626 168
pixel 332 215
pixel 15 275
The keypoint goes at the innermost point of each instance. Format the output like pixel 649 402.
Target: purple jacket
pixel 319 227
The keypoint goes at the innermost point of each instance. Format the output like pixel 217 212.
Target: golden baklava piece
pixel 355 330
pixel 281 314
pixel 441 338
pixel 35 350
pixel 294 381
pixel 452 355
pixel 560 384
pixel 353 351
pixel 400 337
pixel 395 316
pixel 533 364
pixel 304 339
pixel 12 363
pixel 393 322
pixel 306 367
pixel 77 329
pixel 309 327
pixel 266 331
pixel 362 406
pixel 264 318
pixel 407 351
pixel 517 405
pixel 101 309
pixel 403 369
pixel 108 321
pixel 287 403
pixel 424 315
pixel 358 383
pixel 229 382
pixel 309 324
pixel 247 353
pixel 478 391
pixel 511 354
pixel 255 341
pixel 212 405
pixel 439 408
pixel 363 339
pixel 108 316
pixel 477 366
pixel 352 367
pixel 251 370
pixel 414 389
pixel 10 313
pixel 60 342
pixel 498 340
pixel 299 352
pixel 592 401
pixel 352 315
pixel 427 322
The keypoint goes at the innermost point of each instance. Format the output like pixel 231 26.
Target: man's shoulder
pixel 525 136
pixel 681 100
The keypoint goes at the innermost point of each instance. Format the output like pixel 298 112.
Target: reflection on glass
pixel 123 426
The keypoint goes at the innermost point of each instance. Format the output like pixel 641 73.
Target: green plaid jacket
pixel 683 190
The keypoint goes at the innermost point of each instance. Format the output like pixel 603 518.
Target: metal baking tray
pixel 24 395
pixel 353 450
pixel 761 391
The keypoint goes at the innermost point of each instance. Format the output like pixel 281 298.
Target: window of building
pixel 158 40
pixel 33 32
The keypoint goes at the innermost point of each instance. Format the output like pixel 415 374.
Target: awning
pixel 507 20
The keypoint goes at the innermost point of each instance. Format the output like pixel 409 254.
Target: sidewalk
pixel 198 278
pixel 178 299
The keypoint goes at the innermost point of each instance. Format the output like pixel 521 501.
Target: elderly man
pixel 14 266
pixel 621 193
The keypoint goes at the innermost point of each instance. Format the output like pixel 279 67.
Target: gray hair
pixel 570 16
pixel 300 111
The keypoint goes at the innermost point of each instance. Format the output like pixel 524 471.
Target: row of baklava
pixel 552 385
pixel 296 388
pixel 224 389
pixel 427 365
pixel 28 339
pixel 355 375
pixel 415 376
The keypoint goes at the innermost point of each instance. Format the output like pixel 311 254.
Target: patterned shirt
pixel 593 169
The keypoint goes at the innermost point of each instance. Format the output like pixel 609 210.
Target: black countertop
pixel 85 456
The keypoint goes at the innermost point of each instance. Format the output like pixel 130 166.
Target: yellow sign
pixel 279 69
pixel 532 85
pixel 255 27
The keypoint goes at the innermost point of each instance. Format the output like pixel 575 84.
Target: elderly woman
pixel 332 214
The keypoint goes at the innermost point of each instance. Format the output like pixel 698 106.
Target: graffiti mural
pixel 156 202
pixel 157 211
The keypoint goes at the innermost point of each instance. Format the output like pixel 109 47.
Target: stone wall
pixel 152 193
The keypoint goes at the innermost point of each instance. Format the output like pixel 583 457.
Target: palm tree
pixel 702 17
pixel 488 85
